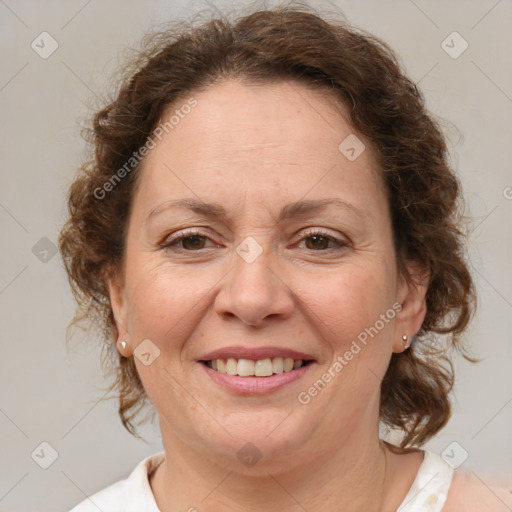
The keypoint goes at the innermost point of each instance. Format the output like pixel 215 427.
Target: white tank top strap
pixel 430 488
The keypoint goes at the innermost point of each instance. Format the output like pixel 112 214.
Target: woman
pixel 269 233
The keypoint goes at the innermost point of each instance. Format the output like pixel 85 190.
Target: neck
pixel 351 479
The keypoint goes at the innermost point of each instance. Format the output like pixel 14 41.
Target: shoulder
pixel 470 493
pixel 130 495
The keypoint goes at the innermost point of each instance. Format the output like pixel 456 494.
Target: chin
pixel 260 442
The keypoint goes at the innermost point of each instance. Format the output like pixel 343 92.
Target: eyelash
pixel 170 243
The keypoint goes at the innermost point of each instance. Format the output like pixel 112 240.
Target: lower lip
pixel 256 385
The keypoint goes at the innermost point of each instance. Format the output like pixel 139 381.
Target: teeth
pixel 277 365
pixel 245 367
pixel 261 368
pixel 231 366
pixel 288 364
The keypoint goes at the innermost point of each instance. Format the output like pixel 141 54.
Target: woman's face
pixel 288 253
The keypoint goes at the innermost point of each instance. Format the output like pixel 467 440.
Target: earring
pixel 406 345
pixel 122 344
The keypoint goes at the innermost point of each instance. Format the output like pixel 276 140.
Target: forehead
pixel 243 116
pixel 262 139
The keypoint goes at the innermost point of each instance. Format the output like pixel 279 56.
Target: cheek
pixel 156 299
pixel 166 302
pixel 348 305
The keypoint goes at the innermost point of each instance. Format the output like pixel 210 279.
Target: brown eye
pixel 192 242
pixel 317 242
pixel 189 241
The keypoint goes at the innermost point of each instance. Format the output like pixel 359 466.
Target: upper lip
pixel 255 353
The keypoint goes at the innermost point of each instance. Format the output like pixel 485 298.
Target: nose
pixel 254 292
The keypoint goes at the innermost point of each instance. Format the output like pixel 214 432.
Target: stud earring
pixel 122 344
pixel 406 345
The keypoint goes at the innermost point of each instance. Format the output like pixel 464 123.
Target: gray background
pixel 51 394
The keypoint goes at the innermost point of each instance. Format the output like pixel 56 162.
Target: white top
pixel 427 494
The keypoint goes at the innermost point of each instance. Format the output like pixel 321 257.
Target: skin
pixel 472 493
pixel 254 149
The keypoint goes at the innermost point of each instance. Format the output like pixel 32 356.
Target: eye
pixel 190 240
pixel 193 240
pixel 320 240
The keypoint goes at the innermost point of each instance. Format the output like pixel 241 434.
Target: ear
pixel 119 305
pixel 412 296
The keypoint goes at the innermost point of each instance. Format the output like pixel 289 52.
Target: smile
pixel 255 368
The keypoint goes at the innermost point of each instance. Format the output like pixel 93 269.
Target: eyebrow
pixel 218 212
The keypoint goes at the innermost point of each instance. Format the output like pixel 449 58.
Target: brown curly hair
pixel 283 43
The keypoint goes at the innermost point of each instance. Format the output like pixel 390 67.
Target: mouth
pixel 256 368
